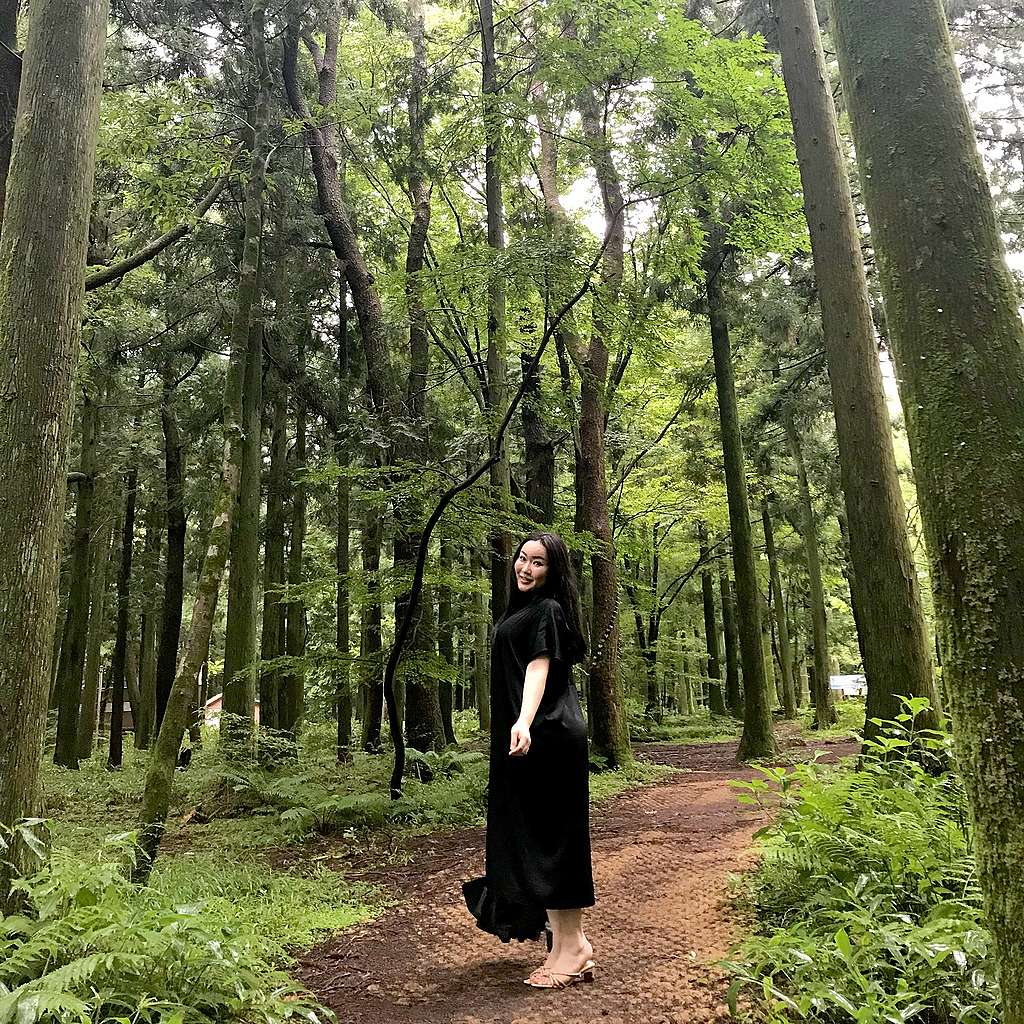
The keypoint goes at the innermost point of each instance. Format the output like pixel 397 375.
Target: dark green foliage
pixel 90 947
pixel 867 896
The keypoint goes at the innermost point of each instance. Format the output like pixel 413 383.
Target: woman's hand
pixel 520 744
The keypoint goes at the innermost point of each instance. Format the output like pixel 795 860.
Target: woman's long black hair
pixel 559 583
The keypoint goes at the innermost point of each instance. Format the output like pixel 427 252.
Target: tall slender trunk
pixel 496 393
pixel 292 703
pixel 272 636
pixel 891 625
pixel 156 798
pixel 120 655
pixel 707 589
pixel 539 447
pixel 102 542
pixel 446 639
pixel 49 195
pixel 371 617
pixel 145 720
pixel 824 710
pixel 239 693
pixel 733 689
pixel 71 663
pixel 481 650
pixel 343 670
pixel 174 562
pixel 779 607
pixel 758 739
pixel 954 318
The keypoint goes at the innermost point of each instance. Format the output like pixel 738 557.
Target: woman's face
pixel 531 566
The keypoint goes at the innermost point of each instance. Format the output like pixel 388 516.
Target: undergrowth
pixel 866 899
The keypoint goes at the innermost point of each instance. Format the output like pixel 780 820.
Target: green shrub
pixel 867 897
pixel 91 947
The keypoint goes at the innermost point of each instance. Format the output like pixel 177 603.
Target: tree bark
pixel 49 195
pixel 371 616
pixel 156 798
pixel 891 625
pixel 496 392
pixel 272 643
pixel 124 579
pixel 102 543
pixel 71 663
pixel 481 648
pixel 343 670
pixel 733 689
pixel 758 739
pixel 539 449
pixel 292 704
pixel 953 315
pixel 824 709
pixel 446 639
pixel 610 737
pixel 240 667
pixel 779 607
pixel 146 718
pixel 174 562
pixel 714 664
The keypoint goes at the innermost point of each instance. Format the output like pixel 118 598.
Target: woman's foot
pixel 567 960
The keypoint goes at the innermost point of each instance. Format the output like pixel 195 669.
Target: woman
pixel 538 833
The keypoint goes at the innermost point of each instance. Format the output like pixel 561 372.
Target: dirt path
pixel 662 857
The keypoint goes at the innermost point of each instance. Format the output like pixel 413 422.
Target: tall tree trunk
pixel 239 693
pixel 49 195
pixel 779 607
pixel 292 704
pixel 707 589
pixel 156 798
pixel 102 542
pixel 422 702
pixel 174 562
pixel 146 718
pixel 891 625
pixel 758 739
pixel 824 709
pixel 124 579
pixel 496 393
pixel 733 689
pixel 481 649
pixel 71 664
pixel 446 639
pixel 272 644
pixel 343 670
pixel 371 616
pixel 539 447
pixel 610 736
pixel 953 314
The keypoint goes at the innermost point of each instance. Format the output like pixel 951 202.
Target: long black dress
pixel 538 829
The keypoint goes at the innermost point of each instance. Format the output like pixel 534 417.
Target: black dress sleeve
pixel 547 638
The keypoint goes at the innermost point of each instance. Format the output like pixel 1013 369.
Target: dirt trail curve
pixel 662 857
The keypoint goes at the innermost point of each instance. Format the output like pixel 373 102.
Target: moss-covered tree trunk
pixel 49 194
pixel 892 631
pixel 758 738
pixel 954 318
pixel 71 663
pixel 779 609
pixel 160 774
pixel 144 722
pixel 481 649
pixel 342 540
pixel 446 638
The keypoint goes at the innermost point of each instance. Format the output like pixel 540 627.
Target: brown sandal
pixel 554 979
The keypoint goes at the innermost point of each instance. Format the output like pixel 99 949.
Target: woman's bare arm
pixel 533 691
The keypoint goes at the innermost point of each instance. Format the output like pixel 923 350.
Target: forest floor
pixel 663 858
